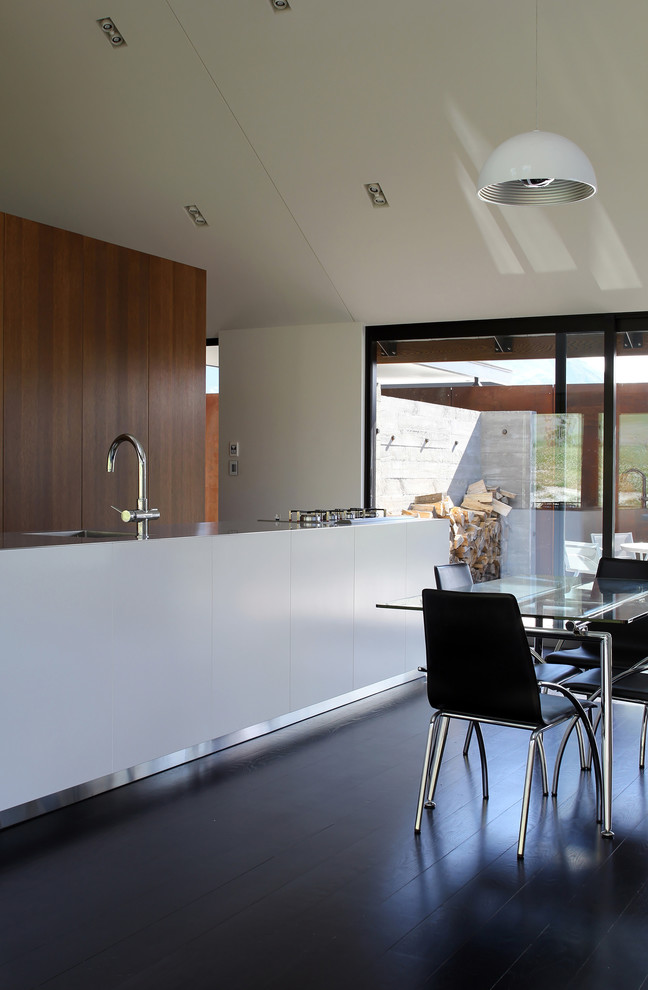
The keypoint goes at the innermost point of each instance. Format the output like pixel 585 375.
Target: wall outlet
pixel 234 449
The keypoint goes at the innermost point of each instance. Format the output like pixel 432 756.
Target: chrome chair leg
pixel 543 766
pixel 474 726
pixel 469 732
pixel 594 753
pixel 429 803
pixel 584 761
pixel 434 749
pixel 642 742
pixel 436 739
pixel 561 753
pixel 595 722
pixel 482 757
pixel 425 773
pixel 585 758
pixel 594 756
pixel 526 797
pixel 597 767
pixel 438 749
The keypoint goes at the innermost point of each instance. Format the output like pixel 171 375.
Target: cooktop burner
pixel 327 517
pixel 331 517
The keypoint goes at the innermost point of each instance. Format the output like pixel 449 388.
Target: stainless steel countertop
pixel 159 531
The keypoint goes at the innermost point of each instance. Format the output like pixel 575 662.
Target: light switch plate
pixel 234 449
pixel 233 468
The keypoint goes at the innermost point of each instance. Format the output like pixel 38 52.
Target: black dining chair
pixel 453 577
pixel 629 652
pixel 629 640
pixel 506 692
pixel 633 687
pixel 630 686
pixel 457 577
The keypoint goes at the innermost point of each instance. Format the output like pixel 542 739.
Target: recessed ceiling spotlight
pixel 196 215
pixel 109 28
pixel 375 193
pixel 280 5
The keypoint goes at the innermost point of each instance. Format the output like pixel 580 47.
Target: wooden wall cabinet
pixel 1 370
pixel 115 377
pixel 177 318
pixel 97 340
pixel 43 276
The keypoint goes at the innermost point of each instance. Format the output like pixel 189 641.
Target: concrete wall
pixel 508 460
pixel 424 448
pixel 435 449
pixel 292 397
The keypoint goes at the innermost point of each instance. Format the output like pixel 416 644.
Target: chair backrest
pixel 478 658
pixel 453 577
pixel 619 539
pixel 622 568
pixel 581 558
pixel 629 641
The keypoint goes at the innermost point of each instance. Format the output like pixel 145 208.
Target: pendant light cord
pixel 536 64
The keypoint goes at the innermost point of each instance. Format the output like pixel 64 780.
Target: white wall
pixel 293 399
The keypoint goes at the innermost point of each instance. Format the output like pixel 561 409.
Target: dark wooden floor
pixel 291 862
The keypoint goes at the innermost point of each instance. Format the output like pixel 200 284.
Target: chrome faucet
pixel 644 486
pixel 142 513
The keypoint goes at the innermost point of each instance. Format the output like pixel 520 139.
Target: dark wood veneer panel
pixel 42 376
pixel 177 333
pixel 2 256
pixel 115 377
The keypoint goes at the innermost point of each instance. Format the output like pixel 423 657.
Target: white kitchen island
pixel 122 658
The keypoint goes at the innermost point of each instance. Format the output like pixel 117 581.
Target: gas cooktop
pixel 327 517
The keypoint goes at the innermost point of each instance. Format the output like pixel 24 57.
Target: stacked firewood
pixel 475 525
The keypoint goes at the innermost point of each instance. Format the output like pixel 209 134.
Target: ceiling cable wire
pixel 536 65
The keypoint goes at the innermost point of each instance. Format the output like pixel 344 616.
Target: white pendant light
pixel 537 168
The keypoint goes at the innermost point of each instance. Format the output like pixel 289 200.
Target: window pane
pixel 582 469
pixel 455 412
pixel 632 441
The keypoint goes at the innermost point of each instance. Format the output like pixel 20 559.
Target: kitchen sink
pixel 86 534
pixel 102 534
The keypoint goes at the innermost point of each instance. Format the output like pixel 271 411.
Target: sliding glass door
pixel 456 416
pixel 518 420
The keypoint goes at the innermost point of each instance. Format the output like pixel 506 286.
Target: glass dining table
pixel 563 607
